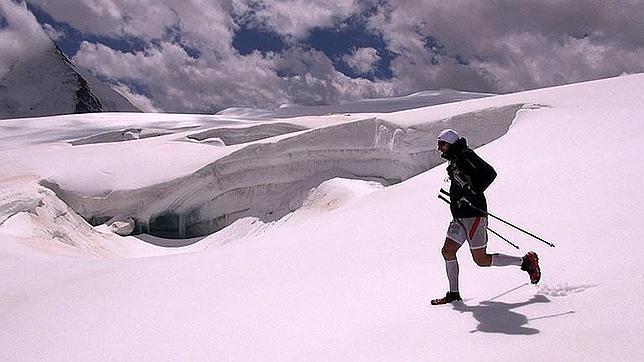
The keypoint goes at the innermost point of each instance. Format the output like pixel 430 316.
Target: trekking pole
pixel 492 231
pixel 444 199
pixel 502 238
pixel 503 221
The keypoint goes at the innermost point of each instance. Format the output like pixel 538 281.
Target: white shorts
pixel 472 229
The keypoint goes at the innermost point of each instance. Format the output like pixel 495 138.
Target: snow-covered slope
pixel 349 274
pixel 375 105
pixel 48 83
pixel 261 170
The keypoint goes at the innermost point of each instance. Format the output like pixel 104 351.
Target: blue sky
pixel 70 39
pixel 193 56
pixel 335 41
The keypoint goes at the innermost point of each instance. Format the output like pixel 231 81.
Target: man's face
pixel 443 146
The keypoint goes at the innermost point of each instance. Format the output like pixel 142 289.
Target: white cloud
pixel 313 80
pixel 511 45
pixel 537 62
pixel 174 81
pixel 142 18
pixel 138 100
pixel 295 18
pixel 362 60
pixel 182 83
pixel 503 45
pixel 53 33
pixel 22 37
pixel 203 24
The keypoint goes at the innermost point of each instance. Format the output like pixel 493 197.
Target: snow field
pixel 266 179
pixel 349 275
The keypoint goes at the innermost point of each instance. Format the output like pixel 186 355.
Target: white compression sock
pixel 505 260
pixel 452 274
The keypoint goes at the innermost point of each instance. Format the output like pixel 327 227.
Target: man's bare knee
pixel 449 249
pixel 448 253
pixel 482 259
pixel 481 262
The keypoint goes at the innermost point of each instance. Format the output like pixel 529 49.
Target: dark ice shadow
pixel 168 243
pixel 499 317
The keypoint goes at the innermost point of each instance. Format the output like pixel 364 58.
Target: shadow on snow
pixel 500 317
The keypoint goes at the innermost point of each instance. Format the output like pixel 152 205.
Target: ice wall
pixel 271 178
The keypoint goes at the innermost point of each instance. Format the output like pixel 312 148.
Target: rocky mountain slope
pixel 50 84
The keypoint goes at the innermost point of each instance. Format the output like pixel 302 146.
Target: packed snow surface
pixel 189 176
pixel 347 269
pixel 380 105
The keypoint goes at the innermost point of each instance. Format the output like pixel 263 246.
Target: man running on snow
pixel 469 177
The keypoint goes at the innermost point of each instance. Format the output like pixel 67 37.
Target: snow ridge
pixel 373 105
pixel 233 136
pixel 272 178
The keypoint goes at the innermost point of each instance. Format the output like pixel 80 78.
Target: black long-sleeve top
pixel 470 176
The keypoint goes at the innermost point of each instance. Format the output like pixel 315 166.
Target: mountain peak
pixel 50 84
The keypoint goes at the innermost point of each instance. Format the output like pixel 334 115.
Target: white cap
pixel 448 135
